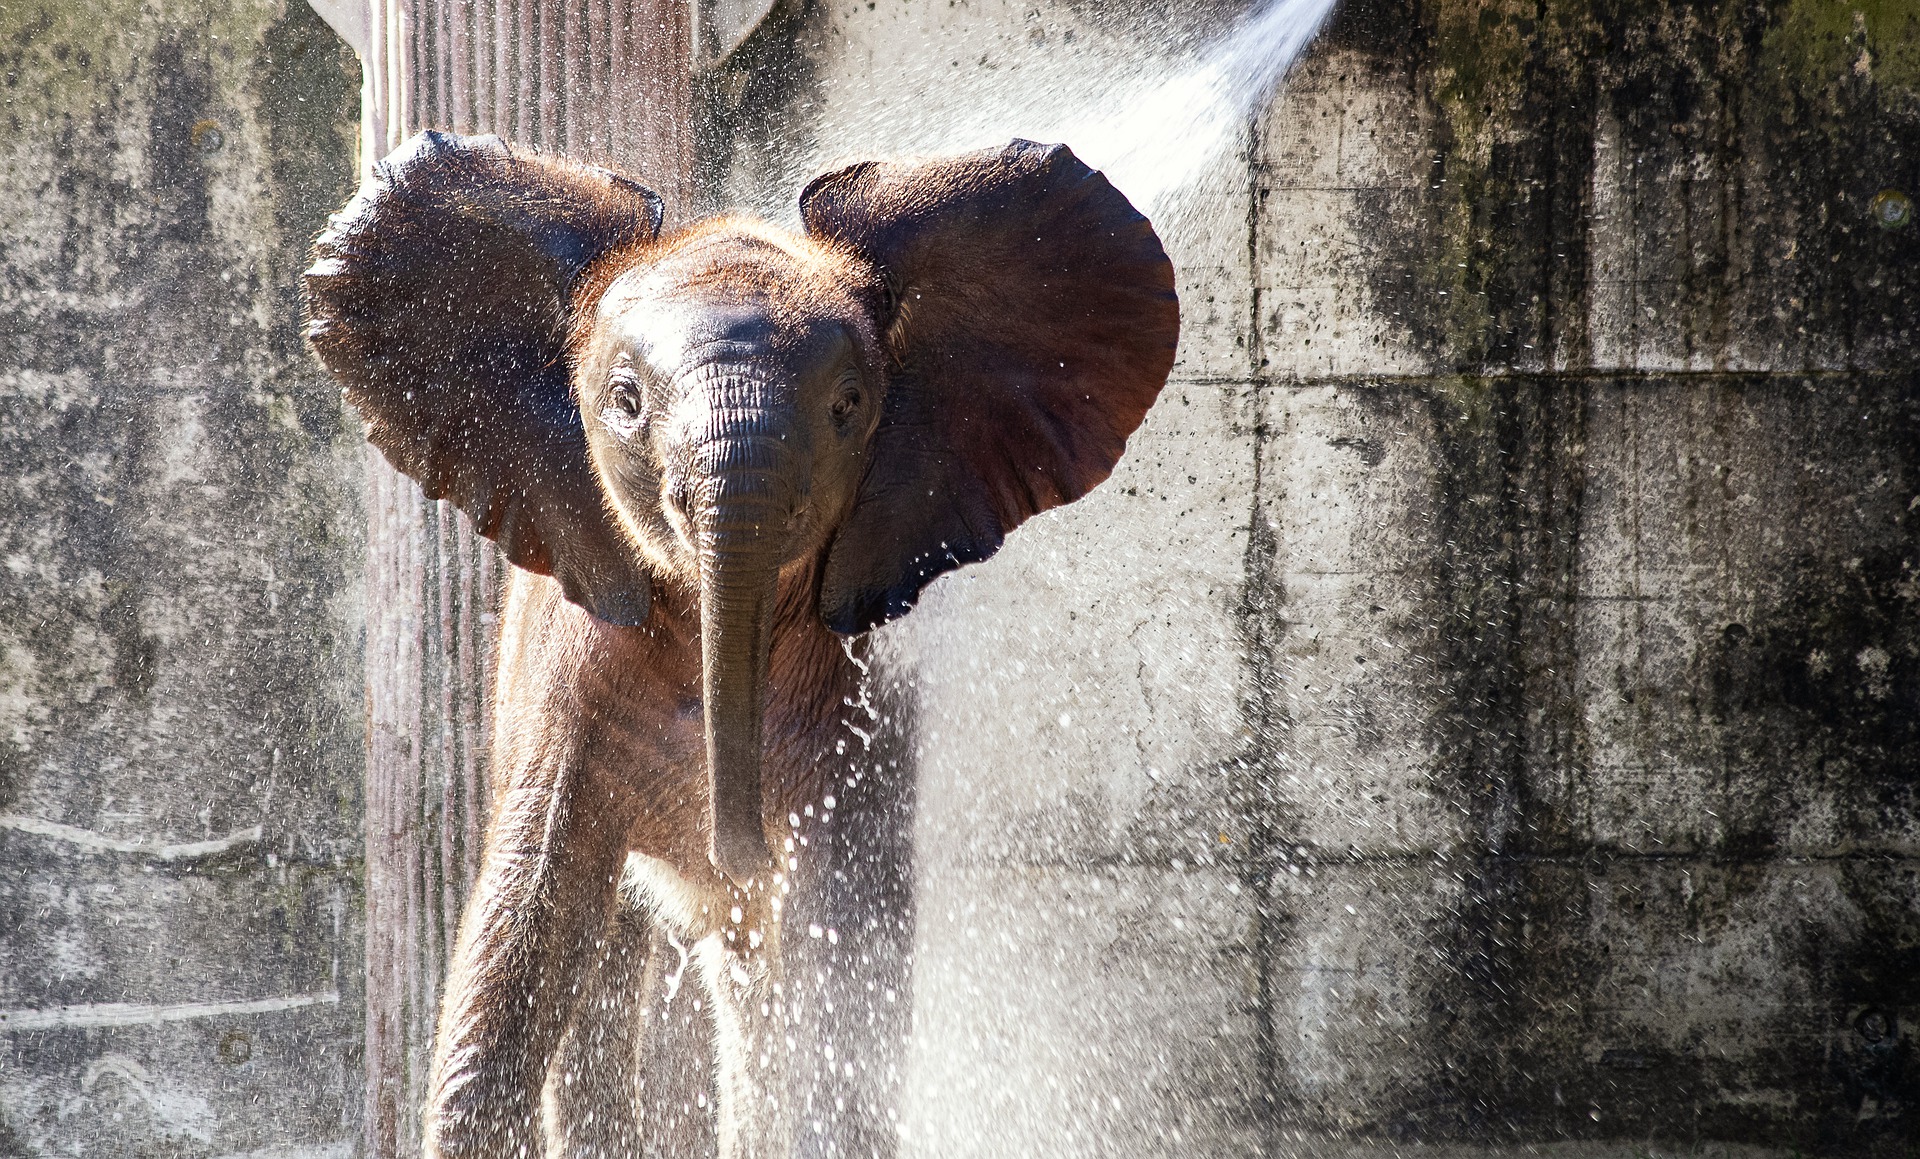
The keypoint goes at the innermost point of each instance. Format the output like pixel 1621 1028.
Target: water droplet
pixel 1890 209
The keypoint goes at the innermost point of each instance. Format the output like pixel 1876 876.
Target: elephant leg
pixel 543 900
pixel 677 1054
pixel 849 990
pixel 848 999
pixel 593 1094
pixel 755 1119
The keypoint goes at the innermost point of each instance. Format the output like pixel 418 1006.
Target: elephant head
pixel 947 348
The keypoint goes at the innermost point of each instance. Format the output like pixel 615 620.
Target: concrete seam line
pixel 94 1014
pixel 88 839
pixel 341 1150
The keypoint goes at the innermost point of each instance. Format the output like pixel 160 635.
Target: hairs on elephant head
pixel 774 439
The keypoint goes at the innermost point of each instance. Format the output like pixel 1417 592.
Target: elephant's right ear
pixel 440 298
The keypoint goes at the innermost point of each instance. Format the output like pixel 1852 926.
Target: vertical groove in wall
pixel 496 14
pixel 386 959
pixel 617 16
pixel 594 109
pixel 1259 624
pixel 454 104
pixel 524 48
pixel 559 75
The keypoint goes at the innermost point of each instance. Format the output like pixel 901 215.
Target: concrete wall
pixel 180 689
pixel 1480 711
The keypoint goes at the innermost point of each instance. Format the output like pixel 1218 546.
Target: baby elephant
pixel 713 456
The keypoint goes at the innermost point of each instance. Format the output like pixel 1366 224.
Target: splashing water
pixel 1153 121
pixel 1164 133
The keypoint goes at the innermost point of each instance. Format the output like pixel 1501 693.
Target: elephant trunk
pixel 743 522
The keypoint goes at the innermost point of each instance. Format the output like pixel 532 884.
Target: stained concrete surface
pixel 180 685
pixel 1477 717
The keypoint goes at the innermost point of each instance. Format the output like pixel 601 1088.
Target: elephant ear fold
pixel 441 297
pixel 1034 322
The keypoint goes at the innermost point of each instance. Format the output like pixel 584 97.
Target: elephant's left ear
pixel 1035 324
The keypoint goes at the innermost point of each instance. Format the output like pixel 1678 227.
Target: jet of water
pixel 1163 133
pixel 1154 125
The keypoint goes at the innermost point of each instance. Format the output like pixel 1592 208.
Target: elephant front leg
pixel 543 899
pixel 594 1089
pixel 751 1045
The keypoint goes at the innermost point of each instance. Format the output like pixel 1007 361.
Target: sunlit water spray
pixel 1154 117
pixel 1160 135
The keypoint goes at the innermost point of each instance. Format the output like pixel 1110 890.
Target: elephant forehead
pixel 734 265
pixel 676 335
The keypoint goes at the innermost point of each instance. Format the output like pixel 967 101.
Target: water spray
pixel 1163 134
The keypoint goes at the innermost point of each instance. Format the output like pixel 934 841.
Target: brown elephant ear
pixel 439 297
pixel 1034 323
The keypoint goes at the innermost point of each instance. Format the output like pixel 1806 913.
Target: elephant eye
pixel 622 412
pixel 846 404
